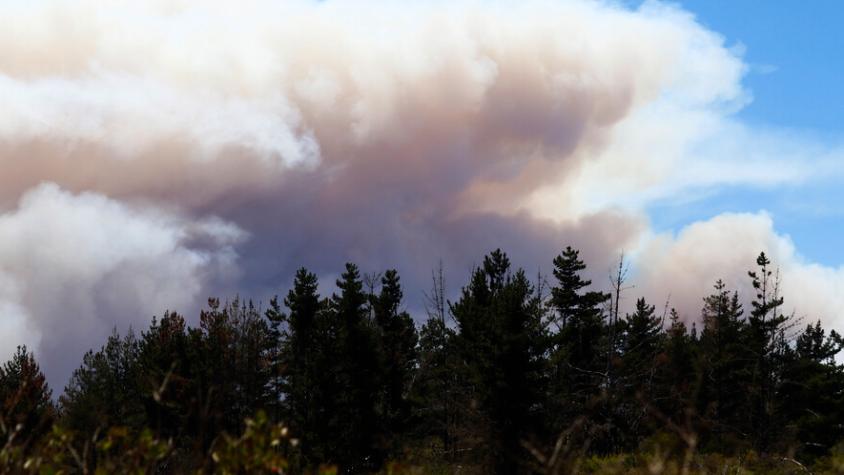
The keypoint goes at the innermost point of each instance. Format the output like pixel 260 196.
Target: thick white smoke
pixel 72 267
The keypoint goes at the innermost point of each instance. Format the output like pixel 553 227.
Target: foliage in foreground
pixel 266 448
pixel 263 447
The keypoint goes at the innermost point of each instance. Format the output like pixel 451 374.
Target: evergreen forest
pixel 517 374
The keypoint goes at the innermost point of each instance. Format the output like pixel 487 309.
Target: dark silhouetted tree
pixel 641 342
pixel 166 380
pixel 398 345
pixel 503 343
pixel 580 351
pixel 104 391
pixel 767 346
pixel 25 398
pixel 724 366
pixel 812 393
pixel 360 372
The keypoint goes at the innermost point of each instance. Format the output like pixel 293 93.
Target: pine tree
pixel 724 365
pixel 25 400
pixel 579 359
pixel 302 349
pixel 253 346
pixel 230 352
pixel 566 297
pixel 398 342
pixel 278 334
pixel 212 351
pixel 166 380
pixel 437 387
pixel 642 340
pixel 812 392
pixel 641 336
pixel 360 375
pixel 503 344
pixel 679 375
pixel 105 390
pixel 766 344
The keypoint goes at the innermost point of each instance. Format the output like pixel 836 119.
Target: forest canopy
pixel 515 375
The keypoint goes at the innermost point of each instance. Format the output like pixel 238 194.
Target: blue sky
pixel 796 74
pixel 795 53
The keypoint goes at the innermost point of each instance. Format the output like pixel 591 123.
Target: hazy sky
pixel 155 153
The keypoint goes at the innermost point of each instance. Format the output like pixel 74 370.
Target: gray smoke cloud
pixel 154 153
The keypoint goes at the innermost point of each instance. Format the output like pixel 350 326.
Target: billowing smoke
pixel 683 268
pixel 199 148
pixel 72 267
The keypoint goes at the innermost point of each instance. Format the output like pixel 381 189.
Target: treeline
pixel 518 375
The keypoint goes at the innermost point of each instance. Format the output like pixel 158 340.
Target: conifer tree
pixel 398 344
pixel 212 348
pixel 641 342
pixel 253 346
pixel 230 353
pixel 360 374
pixel 105 391
pixel 502 338
pixel 641 336
pixel 437 386
pixel 679 377
pixel 300 347
pixel 578 357
pixel 25 400
pixel 812 392
pixel 724 365
pixel 766 335
pixel 570 303
pixel 166 379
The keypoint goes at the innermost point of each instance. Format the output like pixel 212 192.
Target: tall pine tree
pixel 398 344
pixel 580 354
pixel 503 343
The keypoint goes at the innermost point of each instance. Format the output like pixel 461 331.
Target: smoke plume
pixel 199 148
